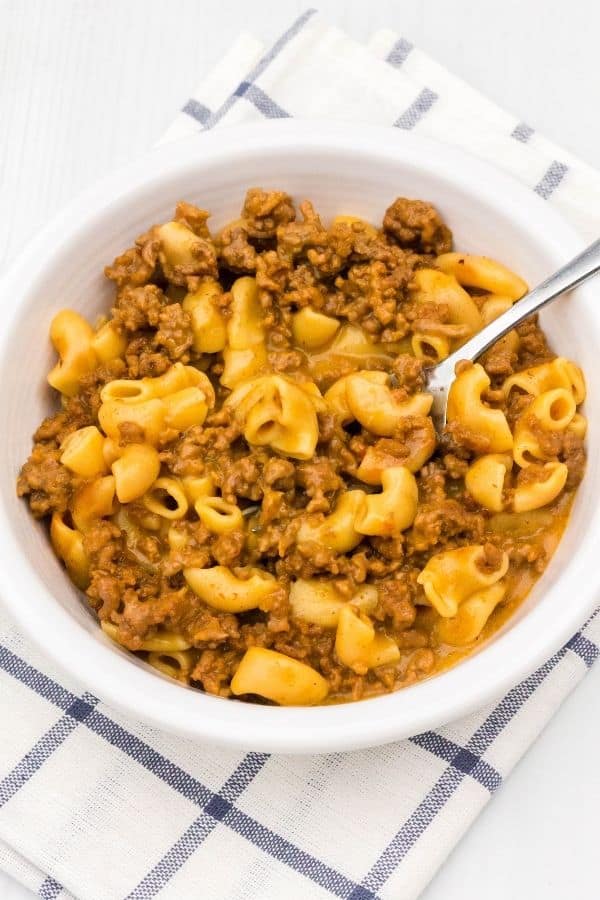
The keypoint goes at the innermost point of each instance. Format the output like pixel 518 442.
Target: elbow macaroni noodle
pixel 451 577
pixel 274 411
pixel 219 516
pixel 394 509
pixel 72 338
pixel 535 494
pixel 83 452
pixel 320 602
pixel 135 471
pixel 483 273
pixel 167 498
pixel 219 588
pixel 94 500
pixel 177 664
pixel 279 678
pixel 376 407
pixel 208 324
pixel 338 530
pixel 431 285
pixel 467 408
pixel 68 546
pixel 245 354
pixel 472 615
pixel 560 373
pixel 312 329
pixel 430 347
pixel 180 249
pixel 359 646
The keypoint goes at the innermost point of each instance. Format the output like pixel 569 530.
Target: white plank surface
pixel 86 86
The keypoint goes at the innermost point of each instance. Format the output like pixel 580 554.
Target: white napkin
pixel 99 807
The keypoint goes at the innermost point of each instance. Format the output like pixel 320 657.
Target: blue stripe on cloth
pixel 261 101
pixel 522 132
pixel 37 681
pixel 261 65
pixel 197 111
pixel 49 889
pixel 399 52
pixel 156 879
pixel 460 758
pixel 551 179
pixel 510 705
pixel 412 830
pixel 218 806
pixel 451 778
pixel 302 862
pixel 43 749
pixel 417 109
pixel 151 760
pixel 159 876
pixel 584 648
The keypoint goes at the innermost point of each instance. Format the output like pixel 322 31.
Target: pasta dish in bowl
pixel 241 477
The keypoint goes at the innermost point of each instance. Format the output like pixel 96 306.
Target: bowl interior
pixel 340 176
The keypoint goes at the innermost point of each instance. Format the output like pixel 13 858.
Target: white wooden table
pixel 86 86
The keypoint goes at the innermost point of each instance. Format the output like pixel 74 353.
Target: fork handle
pixel 565 279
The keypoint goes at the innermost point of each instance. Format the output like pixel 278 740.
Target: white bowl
pixel 343 169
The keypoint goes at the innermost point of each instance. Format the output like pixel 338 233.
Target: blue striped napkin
pixel 98 807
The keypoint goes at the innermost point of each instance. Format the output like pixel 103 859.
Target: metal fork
pixel 441 376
